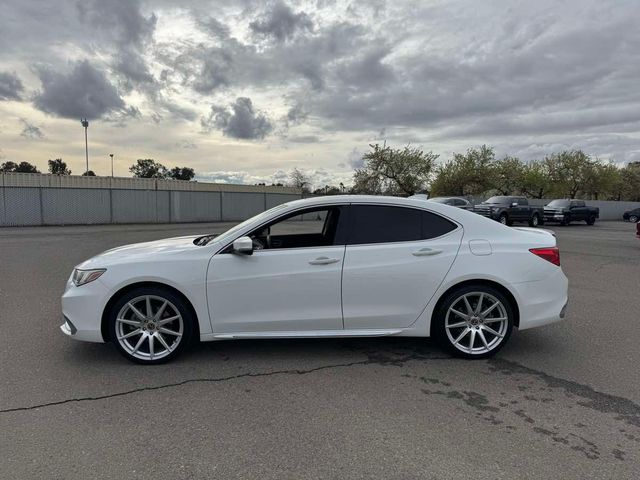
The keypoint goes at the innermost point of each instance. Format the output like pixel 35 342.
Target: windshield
pixel 232 231
pixel 558 203
pixel 500 200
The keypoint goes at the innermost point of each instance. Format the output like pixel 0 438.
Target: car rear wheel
pixel 150 325
pixel 633 218
pixel 591 220
pixel 474 321
pixel 535 220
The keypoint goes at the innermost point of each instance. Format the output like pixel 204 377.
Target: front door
pixel 290 283
pixel 395 260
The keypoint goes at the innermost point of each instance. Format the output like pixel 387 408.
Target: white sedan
pixel 335 266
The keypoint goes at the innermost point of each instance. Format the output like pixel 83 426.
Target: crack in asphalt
pixel 368 361
pixel 603 402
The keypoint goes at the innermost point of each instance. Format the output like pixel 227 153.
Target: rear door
pixel 396 258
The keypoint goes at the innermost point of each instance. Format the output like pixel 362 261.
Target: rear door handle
pixel 323 261
pixel 425 252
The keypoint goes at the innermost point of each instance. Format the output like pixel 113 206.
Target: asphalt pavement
pixel 561 401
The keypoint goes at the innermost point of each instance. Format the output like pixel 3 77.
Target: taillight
pixel 550 254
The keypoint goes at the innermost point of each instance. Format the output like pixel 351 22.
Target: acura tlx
pixel 334 266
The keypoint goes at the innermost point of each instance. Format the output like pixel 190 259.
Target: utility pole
pixel 85 124
pixel 111 155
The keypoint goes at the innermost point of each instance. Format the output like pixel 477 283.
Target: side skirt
pixel 207 337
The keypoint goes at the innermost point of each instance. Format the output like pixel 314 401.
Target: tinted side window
pixel 384 224
pixel 381 224
pixel 434 225
pixel 522 201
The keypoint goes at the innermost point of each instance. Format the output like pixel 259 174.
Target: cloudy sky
pixel 245 90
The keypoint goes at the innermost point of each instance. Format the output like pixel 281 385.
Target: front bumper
pixel 488 214
pixel 82 308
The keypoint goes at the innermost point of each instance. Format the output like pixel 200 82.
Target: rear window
pixel 385 224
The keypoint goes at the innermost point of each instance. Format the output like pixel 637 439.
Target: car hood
pixel 140 251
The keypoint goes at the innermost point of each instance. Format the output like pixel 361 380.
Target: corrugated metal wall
pixel 32 199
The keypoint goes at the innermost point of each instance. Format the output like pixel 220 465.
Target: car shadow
pixel 295 352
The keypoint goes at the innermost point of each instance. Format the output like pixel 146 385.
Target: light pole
pixel 111 155
pixel 85 124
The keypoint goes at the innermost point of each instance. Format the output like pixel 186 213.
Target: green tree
pixel 602 181
pixel 148 168
pixel 8 166
pixel 507 175
pixel 405 171
pixel 535 180
pixel 89 173
pixel 568 171
pixel 58 167
pixel 466 174
pixel 22 167
pixel 630 176
pixel 182 173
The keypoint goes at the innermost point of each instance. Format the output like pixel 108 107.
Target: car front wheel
pixel 474 321
pixel 535 220
pixel 150 325
pixel 633 218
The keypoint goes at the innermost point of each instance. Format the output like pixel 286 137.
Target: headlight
pixel 80 277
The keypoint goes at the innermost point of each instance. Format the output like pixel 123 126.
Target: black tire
pixel 504 219
pixel 633 218
pixel 175 305
pixel 591 220
pixel 440 331
pixel 566 220
pixel 534 221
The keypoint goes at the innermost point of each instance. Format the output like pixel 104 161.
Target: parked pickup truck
pixel 566 211
pixel 507 210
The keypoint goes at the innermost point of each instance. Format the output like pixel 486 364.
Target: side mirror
pixel 514 204
pixel 243 246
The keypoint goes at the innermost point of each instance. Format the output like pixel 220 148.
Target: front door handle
pixel 425 252
pixel 323 261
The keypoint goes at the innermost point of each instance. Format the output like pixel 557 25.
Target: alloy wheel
pixel 476 323
pixel 149 327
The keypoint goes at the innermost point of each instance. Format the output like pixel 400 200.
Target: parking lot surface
pixel 562 401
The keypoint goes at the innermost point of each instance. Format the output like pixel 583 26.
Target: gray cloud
pixel 446 75
pixel 240 121
pixel 83 92
pixel 31 131
pixel 120 20
pixel 11 87
pixel 295 115
pixel 281 23
pixel 304 139
pixel 135 72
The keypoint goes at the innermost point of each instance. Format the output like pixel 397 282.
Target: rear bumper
pixel 542 302
pixel 82 309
